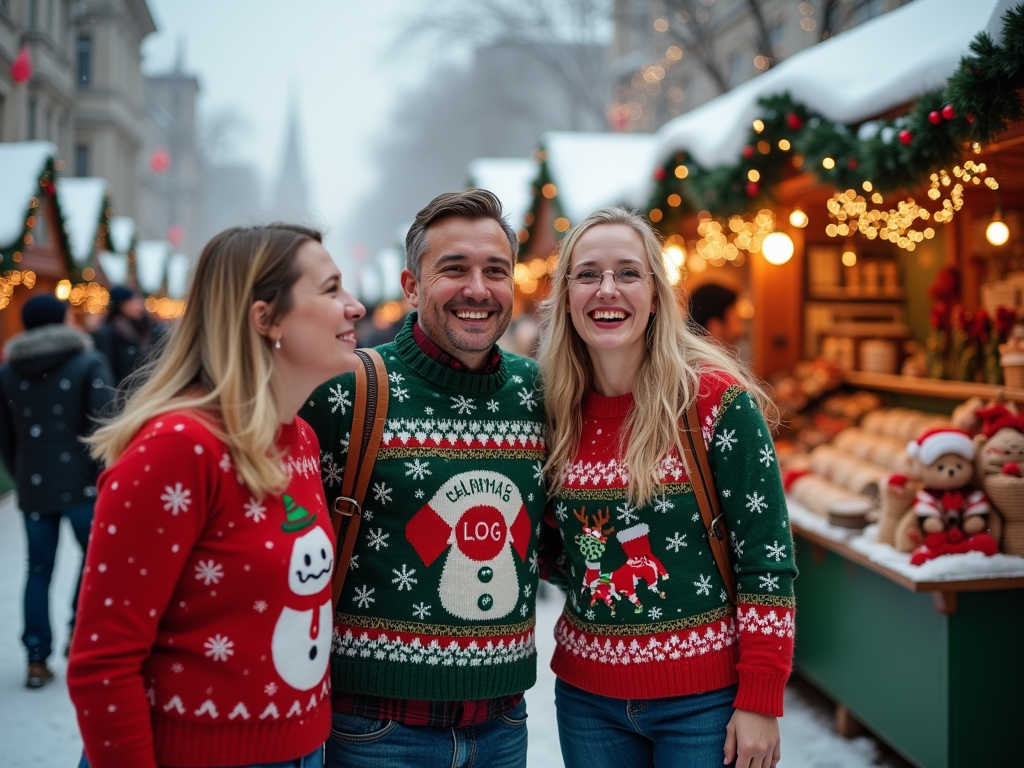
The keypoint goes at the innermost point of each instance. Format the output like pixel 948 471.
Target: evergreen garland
pixel 979 101
pixel 45 190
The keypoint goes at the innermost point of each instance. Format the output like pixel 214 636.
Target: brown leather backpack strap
pixel 699 470
pixel 368 417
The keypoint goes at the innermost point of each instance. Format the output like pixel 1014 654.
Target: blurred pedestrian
pixel 129 333
pixel 205 621
pixel 714 308
pixel 53 385
pixel 659 659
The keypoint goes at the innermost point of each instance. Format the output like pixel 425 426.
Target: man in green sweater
pixel 434 631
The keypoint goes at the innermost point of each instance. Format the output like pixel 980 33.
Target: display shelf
pixel 951 390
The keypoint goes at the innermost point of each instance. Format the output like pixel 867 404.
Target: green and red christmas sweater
pixel 440 597
pixel 647 614
pixel 204 622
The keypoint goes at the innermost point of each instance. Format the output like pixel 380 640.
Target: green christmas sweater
pixel 439 601
pixel 647 614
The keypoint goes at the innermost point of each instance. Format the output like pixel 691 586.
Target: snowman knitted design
pixel 647 614
pixel 223 600
pixel 440 597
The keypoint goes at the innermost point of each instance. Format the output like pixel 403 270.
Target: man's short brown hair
pixel 470 203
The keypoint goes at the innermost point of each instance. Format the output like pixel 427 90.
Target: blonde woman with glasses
pixel 205 618
pixel 656 665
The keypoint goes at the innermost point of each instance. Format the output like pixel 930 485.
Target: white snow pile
pixel 21 165
pixel 593 170
pixel 883 63
pixel 151 263
pixel 82 202
pixel 510 178
pixel 961 567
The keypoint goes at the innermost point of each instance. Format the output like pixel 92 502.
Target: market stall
pixel 875 204
pixel 85 206
pixel 33 246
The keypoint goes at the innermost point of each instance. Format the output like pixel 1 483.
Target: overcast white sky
pixel 339 56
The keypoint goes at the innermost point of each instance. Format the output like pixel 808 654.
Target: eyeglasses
pixel 624 276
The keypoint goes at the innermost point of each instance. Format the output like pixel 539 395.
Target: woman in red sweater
pixel 657 664
pixel 204 627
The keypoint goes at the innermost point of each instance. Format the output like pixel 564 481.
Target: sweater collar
pixel 603 407
pixel 444 376
pixel 434 352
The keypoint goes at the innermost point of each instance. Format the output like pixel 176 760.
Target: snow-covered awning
pixel 592 170
pixel 885 62
pixel 22 164
pixel 122 233
pixel 83 202
pixel 510 179
pixel 179 266
pixel 114 266
pixel 151 264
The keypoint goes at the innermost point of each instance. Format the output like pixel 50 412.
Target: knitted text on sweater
pixel 221 599
pixel 647 614
pixel 439 602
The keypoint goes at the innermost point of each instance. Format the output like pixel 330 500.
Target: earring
pixel 277 343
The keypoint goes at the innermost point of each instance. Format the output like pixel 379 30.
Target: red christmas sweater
pixel 204 624
pixel 647 614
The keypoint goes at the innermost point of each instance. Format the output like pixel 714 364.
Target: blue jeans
pixel 361 742
pixel 314 759
pixel 42 530
pixel 684 731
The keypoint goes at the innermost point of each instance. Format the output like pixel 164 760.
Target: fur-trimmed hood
pixel 41 350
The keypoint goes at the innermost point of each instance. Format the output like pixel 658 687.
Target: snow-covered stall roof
pixel 21 165
pixel 179 267
pixel 883 63
pixel 122 233
pixel 592 170
pixel 114 266
pixel 151 263
pixel 82 202
pixel 509 178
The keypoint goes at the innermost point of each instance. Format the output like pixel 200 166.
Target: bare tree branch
pixel 690 24
pixel 763 43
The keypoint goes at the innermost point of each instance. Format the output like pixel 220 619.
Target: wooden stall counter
pixel 933 667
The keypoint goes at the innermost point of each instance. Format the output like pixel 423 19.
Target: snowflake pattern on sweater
pixel 647 614
pixel 222 600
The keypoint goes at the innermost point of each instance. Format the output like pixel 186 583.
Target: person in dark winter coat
pixel 51 386
pixel 128 335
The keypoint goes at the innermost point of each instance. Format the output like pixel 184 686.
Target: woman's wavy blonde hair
pixel 216 363
pixel 666 379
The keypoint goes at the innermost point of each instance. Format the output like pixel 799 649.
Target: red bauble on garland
pixel 659 174
pixel 748 151
pixel 905 137
pixel 934 117
pixel 753 188
pixel 948 112
pixel 970 118
pixel 853 163
pixel 794 122
pixel 21 69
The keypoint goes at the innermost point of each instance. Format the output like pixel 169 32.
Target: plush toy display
pixel 949 515
pixel 1000 466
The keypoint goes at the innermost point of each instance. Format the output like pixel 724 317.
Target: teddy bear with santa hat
pixel 950 514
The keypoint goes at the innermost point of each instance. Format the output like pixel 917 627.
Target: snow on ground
pixel 38 729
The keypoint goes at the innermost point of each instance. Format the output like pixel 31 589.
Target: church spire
pixel 290 195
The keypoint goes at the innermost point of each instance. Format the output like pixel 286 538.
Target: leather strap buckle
pixel 714 527
pixel 353 506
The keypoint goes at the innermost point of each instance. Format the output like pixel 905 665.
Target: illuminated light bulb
pixel 655 215
pixel 784 145
pixel 867 186
pixel 798 218
pixel 828 163
pixel 561 224
pixel 754 175
pixel 675 200
pixel 682 171
pixel 549 190
pixel 758 125
pixel 849 258
pixel 63 290
pixel 777 248
pixel 997 233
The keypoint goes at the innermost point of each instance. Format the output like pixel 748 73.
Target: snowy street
pixel 38 730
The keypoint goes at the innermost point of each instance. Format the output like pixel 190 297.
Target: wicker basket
pixel 1013 366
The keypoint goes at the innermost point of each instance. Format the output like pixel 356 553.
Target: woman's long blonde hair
pixel 666 379
pixel 216 363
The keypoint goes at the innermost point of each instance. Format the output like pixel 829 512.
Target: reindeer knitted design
pixel 641 562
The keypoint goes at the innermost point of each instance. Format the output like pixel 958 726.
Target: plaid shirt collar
pixel 435 353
